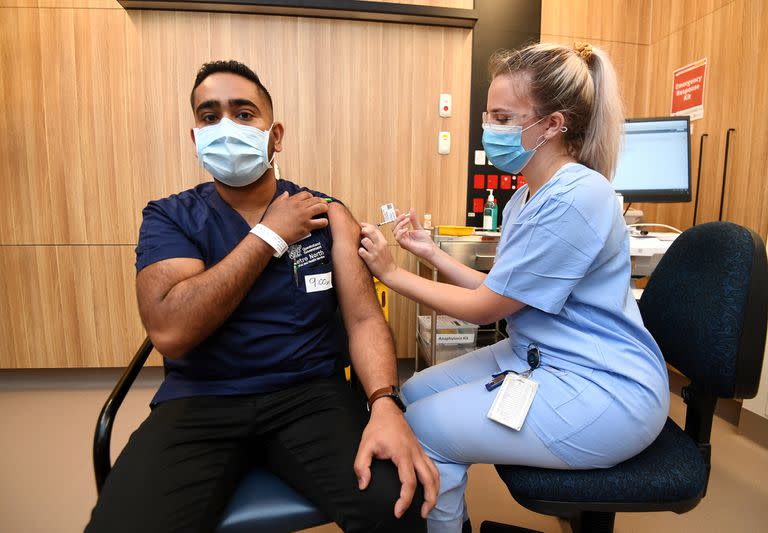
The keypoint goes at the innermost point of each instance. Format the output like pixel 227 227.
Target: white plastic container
pixel 450 331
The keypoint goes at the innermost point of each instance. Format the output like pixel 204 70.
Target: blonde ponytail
pixel 581 84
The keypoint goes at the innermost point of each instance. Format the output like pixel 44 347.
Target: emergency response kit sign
pixel 688 90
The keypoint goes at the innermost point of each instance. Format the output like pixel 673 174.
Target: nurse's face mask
pixel 234 154
pixel 503 143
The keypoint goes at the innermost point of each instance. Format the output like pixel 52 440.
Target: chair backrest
pixel 706 304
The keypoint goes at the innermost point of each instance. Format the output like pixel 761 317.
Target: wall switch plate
pixel 446 105
pixel 444 143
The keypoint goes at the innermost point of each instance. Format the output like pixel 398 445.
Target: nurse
pixel 561 280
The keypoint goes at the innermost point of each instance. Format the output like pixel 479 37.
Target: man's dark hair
pixel 235 67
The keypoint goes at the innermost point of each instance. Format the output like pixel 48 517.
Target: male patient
pixel 238 282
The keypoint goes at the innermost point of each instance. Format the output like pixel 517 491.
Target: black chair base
pixel 593 522
pixel 585 522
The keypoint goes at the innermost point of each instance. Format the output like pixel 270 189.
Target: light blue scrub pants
pixel 447 407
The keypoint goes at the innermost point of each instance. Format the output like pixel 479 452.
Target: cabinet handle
pixel 698 177
pixel 480 256
pixel 725 169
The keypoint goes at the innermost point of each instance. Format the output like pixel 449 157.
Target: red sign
pixel 493 182
pixel 477 205
pixel 688 90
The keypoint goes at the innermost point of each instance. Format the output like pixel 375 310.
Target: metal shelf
pixel 476 252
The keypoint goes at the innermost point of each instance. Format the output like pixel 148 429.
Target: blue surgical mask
pixel 233 153
pixel 504 146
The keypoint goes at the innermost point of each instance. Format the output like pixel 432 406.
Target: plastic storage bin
pixel 453 337
pixel 450 331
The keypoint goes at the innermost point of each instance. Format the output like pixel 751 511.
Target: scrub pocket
pixel 314 294
pixel 575 399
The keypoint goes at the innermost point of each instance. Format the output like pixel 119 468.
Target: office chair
pixel 706 304
pixel 261 502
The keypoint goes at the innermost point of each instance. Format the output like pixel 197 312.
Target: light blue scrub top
pixel 565 253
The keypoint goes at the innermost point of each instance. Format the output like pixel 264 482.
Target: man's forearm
pixel 372 351
pixel 195 307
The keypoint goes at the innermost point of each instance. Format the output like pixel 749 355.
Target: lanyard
pixel 534 361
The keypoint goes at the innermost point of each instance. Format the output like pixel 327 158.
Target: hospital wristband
pixel 271 238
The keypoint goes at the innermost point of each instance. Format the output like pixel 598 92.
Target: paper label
pixel 388 212
pixel 318 282
pixel 455 338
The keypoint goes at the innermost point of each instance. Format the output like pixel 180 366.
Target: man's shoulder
pixel 189 202
pixel 295 188
pixel 188 198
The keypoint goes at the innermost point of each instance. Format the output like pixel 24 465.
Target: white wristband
pixel 271 238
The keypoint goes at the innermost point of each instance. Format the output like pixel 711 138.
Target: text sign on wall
pixel 688 90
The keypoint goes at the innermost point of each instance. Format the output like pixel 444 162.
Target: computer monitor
pixel 655 160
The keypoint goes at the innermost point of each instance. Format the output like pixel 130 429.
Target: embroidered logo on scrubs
pixel 294 251
pixel 307 254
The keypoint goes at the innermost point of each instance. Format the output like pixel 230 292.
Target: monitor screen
pixel 654 160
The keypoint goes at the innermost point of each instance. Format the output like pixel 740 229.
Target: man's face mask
pixel 234 154
pixel 504 146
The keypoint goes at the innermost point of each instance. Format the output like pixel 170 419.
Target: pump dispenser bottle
pixel 490 213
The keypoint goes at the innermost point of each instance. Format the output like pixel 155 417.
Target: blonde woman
pixel 561 280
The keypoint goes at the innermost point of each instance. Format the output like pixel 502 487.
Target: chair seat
pixel 671 469
pixel 263 502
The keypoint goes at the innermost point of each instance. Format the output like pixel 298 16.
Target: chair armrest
pixel 103 436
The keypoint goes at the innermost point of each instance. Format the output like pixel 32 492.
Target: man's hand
pixel 291 217
pixel 388 436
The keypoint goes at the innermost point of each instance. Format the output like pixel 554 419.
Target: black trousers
pixel 181 466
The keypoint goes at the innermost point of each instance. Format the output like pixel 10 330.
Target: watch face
pixel 398 401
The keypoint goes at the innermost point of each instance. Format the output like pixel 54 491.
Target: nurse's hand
pixel 416 240
pixel 375 252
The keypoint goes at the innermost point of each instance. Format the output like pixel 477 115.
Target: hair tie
pixel 584 50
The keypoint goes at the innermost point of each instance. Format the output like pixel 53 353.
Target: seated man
pixel 245 329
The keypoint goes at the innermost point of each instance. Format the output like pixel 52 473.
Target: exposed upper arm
pixel 154 282
pixel 352 279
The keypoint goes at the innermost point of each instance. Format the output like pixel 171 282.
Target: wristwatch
pixel 387 392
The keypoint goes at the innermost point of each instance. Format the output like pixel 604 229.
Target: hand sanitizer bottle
pixel 490 213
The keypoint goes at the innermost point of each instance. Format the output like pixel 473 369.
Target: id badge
pixel 511 405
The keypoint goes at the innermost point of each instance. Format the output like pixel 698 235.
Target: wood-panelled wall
pixel 96 123
pixel 733 36
pixel 648 40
